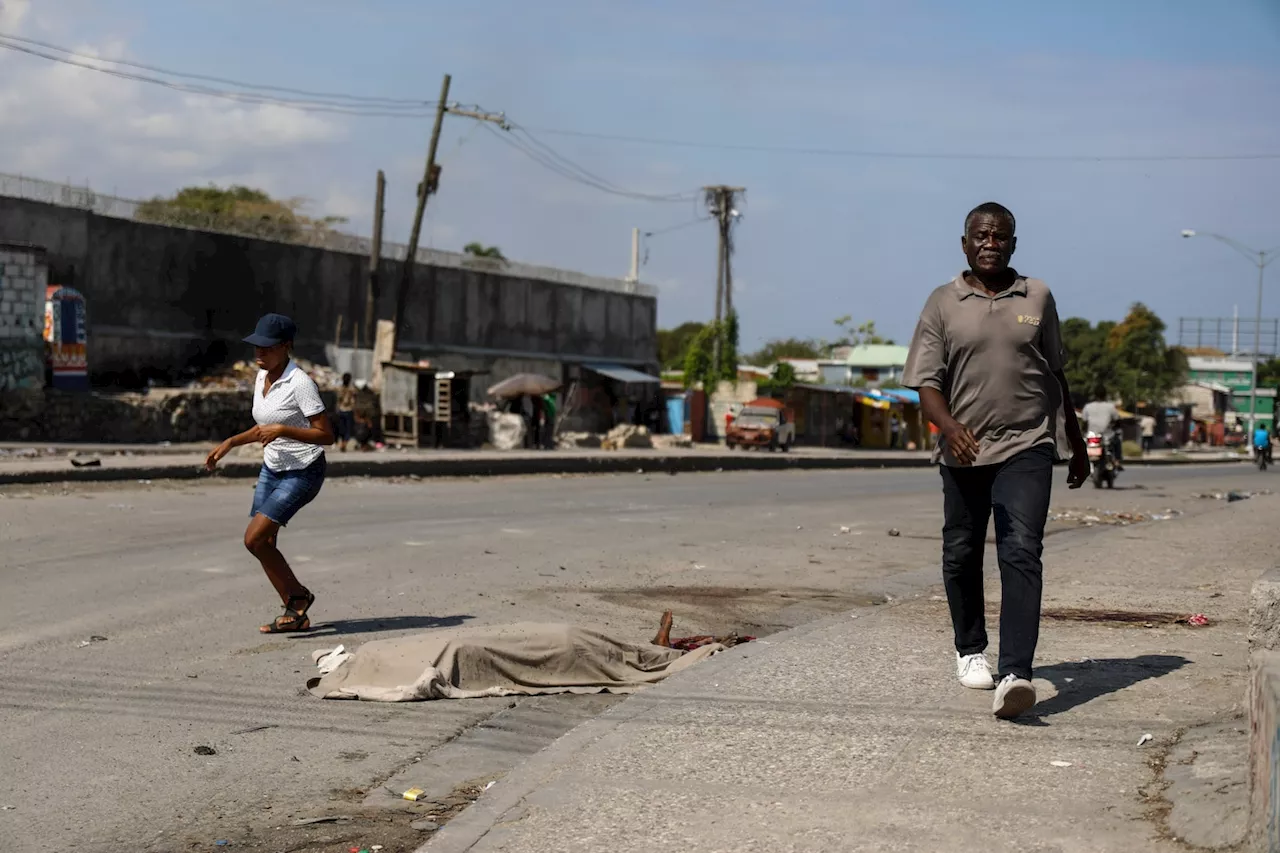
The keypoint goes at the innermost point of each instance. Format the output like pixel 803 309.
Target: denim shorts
pixel 280 494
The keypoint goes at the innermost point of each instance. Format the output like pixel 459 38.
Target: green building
pixel 1236 374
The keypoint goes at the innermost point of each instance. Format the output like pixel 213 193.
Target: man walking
pixel 988 361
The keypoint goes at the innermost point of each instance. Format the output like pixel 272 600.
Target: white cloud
pixel 62 120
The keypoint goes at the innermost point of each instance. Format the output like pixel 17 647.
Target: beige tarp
pixel 506 660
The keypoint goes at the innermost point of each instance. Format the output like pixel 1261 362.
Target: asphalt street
pixel 101 734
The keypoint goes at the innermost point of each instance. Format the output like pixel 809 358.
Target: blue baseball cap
pixel 272 329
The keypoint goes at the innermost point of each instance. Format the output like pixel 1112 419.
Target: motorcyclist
pixel 1103 418
pixel 1262 440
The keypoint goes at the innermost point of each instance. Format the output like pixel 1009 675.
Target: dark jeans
pixel 1017 493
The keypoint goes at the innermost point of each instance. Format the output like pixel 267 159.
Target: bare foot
pixel 663 637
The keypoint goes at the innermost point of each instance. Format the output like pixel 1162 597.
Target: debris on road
pixel 205 750
pixel 1060 763
pixel 96 638
pixel 252 729
pixel 85 463
pixel 1135 618
pixel 424 825
pixel 1199 620
pixel 1113 518
pixel 1232 496
pixel 893 531
pixel 1146 739
pixel 414 794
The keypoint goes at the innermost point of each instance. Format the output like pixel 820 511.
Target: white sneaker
pixel 974 672
pixel 1014 696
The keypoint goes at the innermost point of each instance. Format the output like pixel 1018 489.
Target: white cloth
pixel 524 659
pixel 292 400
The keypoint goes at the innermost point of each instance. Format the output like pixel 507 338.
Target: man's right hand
pixel 961 443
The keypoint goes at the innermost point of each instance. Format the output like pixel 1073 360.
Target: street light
pixel 1259 259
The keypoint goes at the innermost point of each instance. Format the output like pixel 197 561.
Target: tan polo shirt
pixel 993 360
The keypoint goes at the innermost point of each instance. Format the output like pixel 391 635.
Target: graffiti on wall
pixel 66 335
pixel 21 365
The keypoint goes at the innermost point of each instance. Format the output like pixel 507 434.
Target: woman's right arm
pixel 215 456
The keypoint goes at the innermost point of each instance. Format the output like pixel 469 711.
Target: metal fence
pixel 1230 335
pixel 84 198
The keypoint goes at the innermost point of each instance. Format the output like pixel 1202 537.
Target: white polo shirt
pixel 292 401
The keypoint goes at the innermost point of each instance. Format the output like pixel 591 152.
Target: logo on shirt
pixel 1028 320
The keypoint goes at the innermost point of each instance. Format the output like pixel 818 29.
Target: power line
pixel 569 170
pixel 899 155
pixel 306 105
pixel 365 99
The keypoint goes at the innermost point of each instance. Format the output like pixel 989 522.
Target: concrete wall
pixel 22 288
pixel 163 302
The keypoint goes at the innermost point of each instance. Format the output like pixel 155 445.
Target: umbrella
pixel 524 384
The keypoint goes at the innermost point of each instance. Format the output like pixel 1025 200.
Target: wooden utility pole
pixel 424 189
pixel 375 260
pixel 430 183
pixel 721 205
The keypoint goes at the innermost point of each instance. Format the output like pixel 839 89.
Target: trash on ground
pixel 86 463
pixel 893 531
pixel 205 750
pixel 1146 739
pixel 252 729
pixel 844 529
pixel 1232 496
pixel 414 794
pixel 312 821
pixel 490 785
pixel 1198 620
pixel 1060 763
pixel 1135 618
pixel 424 825
pixel 1113 518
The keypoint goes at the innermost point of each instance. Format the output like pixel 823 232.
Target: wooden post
pixel 375 259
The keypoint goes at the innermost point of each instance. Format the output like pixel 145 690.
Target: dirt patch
pixel 748 610
pixel 349 825
pixel 1130 618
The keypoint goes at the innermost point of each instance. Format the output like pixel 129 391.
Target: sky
pixel 853 126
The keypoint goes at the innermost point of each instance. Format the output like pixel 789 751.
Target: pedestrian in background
pixel 549 409
pixel 293 428
pixel 346 412
pixel 987 359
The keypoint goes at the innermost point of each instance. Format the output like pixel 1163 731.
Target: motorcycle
pixel 1101 460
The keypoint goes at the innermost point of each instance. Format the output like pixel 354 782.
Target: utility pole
pixel 430 183
pixel 634 275
pixel 721 204
pixel 375 259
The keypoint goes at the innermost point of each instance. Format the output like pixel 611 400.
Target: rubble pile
pixel 578 440
pixel 628 436
pixel 1231 497
pixel 241 376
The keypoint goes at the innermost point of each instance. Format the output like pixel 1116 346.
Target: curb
pixel 499 466
pixel 1264 714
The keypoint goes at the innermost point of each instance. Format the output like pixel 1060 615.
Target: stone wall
pixel 23 278
pixel 172 415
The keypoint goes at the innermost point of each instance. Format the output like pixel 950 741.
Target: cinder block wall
pixel 23 277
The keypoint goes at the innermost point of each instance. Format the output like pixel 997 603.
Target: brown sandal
pixel 294 618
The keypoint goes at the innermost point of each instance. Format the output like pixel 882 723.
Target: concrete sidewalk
pixel 117 463
pixel 852 734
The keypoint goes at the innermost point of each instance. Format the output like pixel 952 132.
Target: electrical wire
pixel 307 93
pixel 306 105
pixel 569 170
pixel 899 155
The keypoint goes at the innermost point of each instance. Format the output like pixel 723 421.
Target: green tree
pixel 1146 368
pixel 699 357
pixel 780 348
pixel 864 334
pixel 1089 361
pixel 1269 373
pixel 479 250
pixel 238 209
pixel 674 343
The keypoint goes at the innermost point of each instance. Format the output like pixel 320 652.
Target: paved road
pixel 99 737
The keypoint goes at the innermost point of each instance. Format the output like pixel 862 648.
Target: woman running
pixel 293 429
